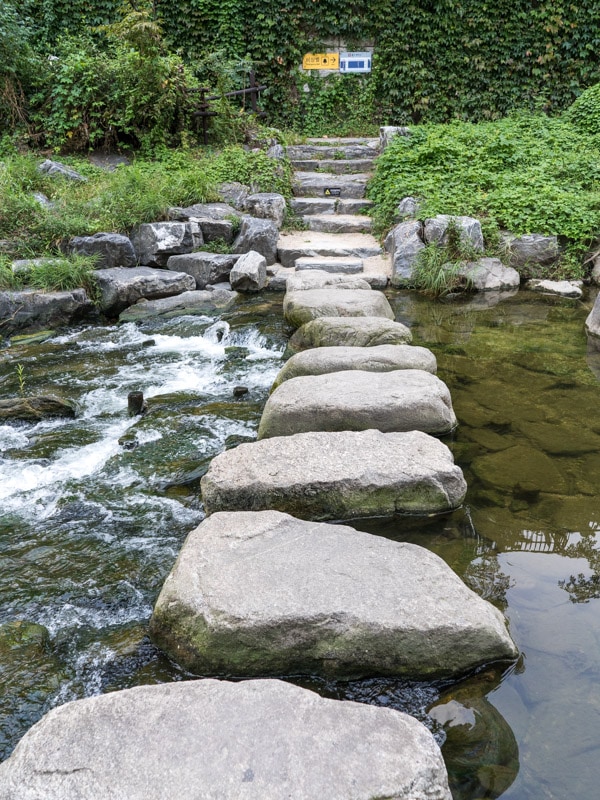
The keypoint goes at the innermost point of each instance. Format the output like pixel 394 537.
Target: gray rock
pixel 436 230
pixel 306 184
pixel 350 332
pixel 301 307
pixel 155 242
pixel 572 289
pixel 389 132
pixel 533 248
pixel 43 200
pixel 249 273
pixel 303 280
pixel 24 265
pixel 205 268
pixel 263 593
pixel 595 275
pixel 277 282
pixel 313 205
pixel 194 302
pixel 341 475
pixel 346 264
pixel 339 152
pixel 111 249
pixel 260 235
pixel 256 740
pixel 32 409
pixel 216 230
pixel 292 246
pixel 404 243
pixel 407 208
pixel 490 275
pixel 592 322
pixel 357 400
pixel 35 310
pixel 56 169
pixel 120 288
pixel 221 211
pixel 381 358
pixel 234 193
pixel 276 151
pixel 266 205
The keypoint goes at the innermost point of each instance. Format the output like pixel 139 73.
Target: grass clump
pixel 439 269
pixel 52 275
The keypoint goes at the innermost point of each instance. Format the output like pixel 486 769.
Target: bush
pixel 585 111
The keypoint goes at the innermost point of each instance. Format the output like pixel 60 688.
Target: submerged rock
pixel 301 307
pixel 349 331
pixel 571 289
pixel 262 593
pixel 260 740
pixel 35 408
pixel 194 302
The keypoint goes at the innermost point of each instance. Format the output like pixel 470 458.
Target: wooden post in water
pixel 135 403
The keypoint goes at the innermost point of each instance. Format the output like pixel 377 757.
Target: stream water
pixel 94 510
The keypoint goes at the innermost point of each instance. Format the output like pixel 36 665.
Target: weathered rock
pixel 313 205
pixel 341 475
pixel 266 205
pixel 357 400
pixel 595 274
pixel 32 309
pixel 301 307
pixel 520 468
pixel 382 358
pixel 489 275
pixel 339 223
pixel 404 243
pixel 216 211
pixel 592 322
pixel 350 332
pixel 24 265
pixel 56 169
pixel 155 242
pixel 276 151
pixel 263 593
pixel 234 193
pixel 407 208
pixel 121 287
pixel 35 408
pixel 205 268
pixel 572 289
pixel 532 248
pixel 320 279
pixel 260 235
pixel 277 282
pixel 389 132
pixel 110 249
pixel 43 200
pixel 257 740
pixel 249 273
pixel 194 302
pixel 436 230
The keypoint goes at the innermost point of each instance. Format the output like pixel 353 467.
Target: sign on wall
pixel 321 61
pixel 355 62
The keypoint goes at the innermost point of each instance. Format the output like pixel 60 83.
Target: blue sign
pixel 355 62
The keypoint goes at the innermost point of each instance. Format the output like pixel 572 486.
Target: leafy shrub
pixel 585 111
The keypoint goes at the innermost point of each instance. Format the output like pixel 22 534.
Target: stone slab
pixel 307 184
pixel 346 264
pixel 193 302
pixel 121 287
pixel 205 268
pixel 301 307
pixel 338 223
pixel 303 280
pixel 350 332
pixel 34 309
pixel 292 246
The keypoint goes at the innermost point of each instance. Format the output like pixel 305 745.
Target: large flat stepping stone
pixel 301 307
pixel 316 184
pixel 338 223
pixel 357 400
pixel 121 287
pixel 341 475
pixel 292 246
pixel 383 358
pixel 303 280
pixel 212 740
pixel 348 332
pixel 264 593
pixel 349 265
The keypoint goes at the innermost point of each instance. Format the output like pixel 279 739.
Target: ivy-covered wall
pixel 434 59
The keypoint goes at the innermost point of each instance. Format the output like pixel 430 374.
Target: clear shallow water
pixel 93 512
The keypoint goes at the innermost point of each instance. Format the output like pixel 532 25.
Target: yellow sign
pixel 321 61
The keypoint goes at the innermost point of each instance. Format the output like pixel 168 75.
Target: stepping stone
pixel 340 475
pixel 357 400
pixel 292 246
pixel 301 307
pixel 264 593
pixel 315 184
pixel 256 740
pixel 346 264
pixel 382 358
pixel 339 223
pixel 301 206
pixel 121 287
pixel 349 332
pixel 335 166
pixel 319 279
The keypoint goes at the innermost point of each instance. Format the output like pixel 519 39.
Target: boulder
pixel 32 409
pixel 407 208
pixel 404 243
pixel 350 332
pixel 301 307
pixel 57 169
pixel 382 358
pixel 277 280
pixel 155 242
pixel 110 249
pixel 264 593
pixel 216 211
pixel 389 132
pixel 256 740
pixel 260 235
pixel 249 273
pixel 234 193
pixel 341 475
pixel 121 287
pixel 35 310
pixel 436 231
pixel 592 322
pixel 205 268
pixel 319 279
pixel 194 302
pixel 530 249
pixel 266 205
pixel 489 275
pixel 357 400
pixel 572 289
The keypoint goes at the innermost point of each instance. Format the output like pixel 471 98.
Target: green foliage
pixel 524 174
pixel 437 271
pixel 20 370
pixel 18 66
pixel 59 274
pixel 585 111
pixel 254 168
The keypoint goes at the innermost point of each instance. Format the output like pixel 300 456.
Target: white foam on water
pixel 11 438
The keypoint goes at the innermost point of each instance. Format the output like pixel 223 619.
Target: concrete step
pixel 305 206
pixel 292 246
pixel 338 223
pixel 349 265
pixel 319 184
pixel 337 166
pixel 318 152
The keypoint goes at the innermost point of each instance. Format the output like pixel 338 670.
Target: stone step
pixel 292 246
pixel 307 206
pixel 318 184
pixel 345 264
pixel 318 152
pixel 302 307
pixel 372 141
pixel 338 223
pixel 335 165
